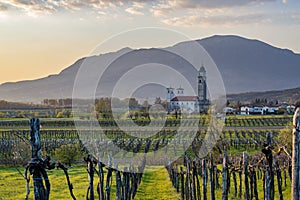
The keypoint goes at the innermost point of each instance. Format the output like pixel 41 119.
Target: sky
pixel 39 38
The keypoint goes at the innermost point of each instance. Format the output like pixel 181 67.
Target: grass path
pixel 156 185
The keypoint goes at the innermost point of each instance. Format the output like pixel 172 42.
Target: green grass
pixel 13 185
pixel 155 185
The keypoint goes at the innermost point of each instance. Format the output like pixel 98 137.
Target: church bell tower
pixel 170 96
pixel 202 91
pixel 202 87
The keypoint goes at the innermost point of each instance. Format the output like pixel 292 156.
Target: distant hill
pixel 289 96
pixel 245 65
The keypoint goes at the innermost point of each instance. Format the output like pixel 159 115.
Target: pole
pixel 36 165
pixel 296 156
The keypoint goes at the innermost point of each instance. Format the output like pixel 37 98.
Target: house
pixel 290 109
pixel 258 110
pixel 229 110
pixel 186 103
pixel 245 110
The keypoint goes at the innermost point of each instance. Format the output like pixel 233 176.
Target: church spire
pixel 202 84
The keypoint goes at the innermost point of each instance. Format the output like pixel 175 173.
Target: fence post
pixel 225 177
pixel 194 174
pixel 204 177
pixel 36 165
pixel 212 181
pixel 296 156
pixel 108 177
pixel 118 184
pixel 269 175
pixel 101 179
pixel 245 165
pixel 187 180
pixel 182 182
pixel 90 169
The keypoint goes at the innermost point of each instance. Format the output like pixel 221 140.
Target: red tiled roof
pixel 185 98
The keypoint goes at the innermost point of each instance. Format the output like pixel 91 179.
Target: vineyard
pixel 263 172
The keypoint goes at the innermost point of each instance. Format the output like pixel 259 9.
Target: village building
pixel 177 101
pixel 258 110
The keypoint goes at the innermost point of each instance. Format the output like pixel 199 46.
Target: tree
pixel 285 136
pixel 132 103
pixel 157 100
pixel 227 103
pixel 69 153
pixel 103 107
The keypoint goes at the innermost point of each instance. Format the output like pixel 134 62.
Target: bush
pixel 285 136
pixel 69 153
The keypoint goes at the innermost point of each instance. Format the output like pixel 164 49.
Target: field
pixel 241 133
pixel 155 185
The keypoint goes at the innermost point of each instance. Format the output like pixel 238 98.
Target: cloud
pixel 69 5
pixel 209 13
pixel 210 3
pixel 134 11
pixel 52 6
pixel 31 6
pixel 166 7
pixel 218 20
pixel 169 10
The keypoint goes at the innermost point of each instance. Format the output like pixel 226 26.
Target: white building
pixel 258 110
pixel 290 109
pixel 190 104
pixel 186 103
pixel 229 110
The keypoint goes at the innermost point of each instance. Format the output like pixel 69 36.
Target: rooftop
pixel 185 98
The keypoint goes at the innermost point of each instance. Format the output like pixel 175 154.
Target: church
pixel 192 104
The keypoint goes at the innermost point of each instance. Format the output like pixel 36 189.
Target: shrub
pixel 285 136
pixel 69 153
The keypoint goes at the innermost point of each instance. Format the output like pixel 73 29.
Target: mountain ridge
pixel 290 96
pixel 245 65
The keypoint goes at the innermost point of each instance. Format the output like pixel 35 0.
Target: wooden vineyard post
pixel 182 182
pixel 225 177
pixel 197 180
pixel 253 183
pixel 279 180
pixel 269 175
pixel 234 182
pixel 108 177
pixel 177 178
pixel 118 184
pixel 245 165
pixel 90 169
pixel 240 180
pixel 134 182
pixel 194 174
pixel 212 181
pixel 37 168
pixel 187 181
pixel 204 177
pixel 101 180
pixel 296 156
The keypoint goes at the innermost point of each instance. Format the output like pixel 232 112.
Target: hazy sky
pixel 38 38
